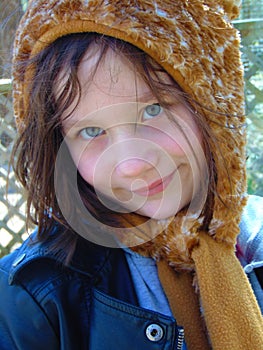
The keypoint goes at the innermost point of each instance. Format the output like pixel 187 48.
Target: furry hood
pixel 196 44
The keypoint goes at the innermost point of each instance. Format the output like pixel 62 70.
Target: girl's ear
pixel 231 7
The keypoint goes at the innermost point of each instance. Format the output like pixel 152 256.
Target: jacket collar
pixel 88 258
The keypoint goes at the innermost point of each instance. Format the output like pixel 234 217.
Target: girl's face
pixel 125 144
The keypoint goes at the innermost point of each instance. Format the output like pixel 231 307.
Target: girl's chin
pixel 157 214
pixel 153 209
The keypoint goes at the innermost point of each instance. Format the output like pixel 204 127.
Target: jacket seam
pixel 41 308
pixel 127 306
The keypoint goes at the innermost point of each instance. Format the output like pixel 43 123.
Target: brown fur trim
pixel 197 45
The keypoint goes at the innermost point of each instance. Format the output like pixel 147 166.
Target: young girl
pixel 131 148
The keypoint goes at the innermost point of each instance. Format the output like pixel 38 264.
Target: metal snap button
pixel 154 332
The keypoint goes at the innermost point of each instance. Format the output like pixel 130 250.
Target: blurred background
pixel 12 202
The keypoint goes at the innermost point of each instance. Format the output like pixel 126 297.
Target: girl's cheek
pixel 169 138
pixel 85 155
pixel 173 144
pixel 186 140
pixel 87 166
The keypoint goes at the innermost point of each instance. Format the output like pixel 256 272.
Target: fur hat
pixel 196 44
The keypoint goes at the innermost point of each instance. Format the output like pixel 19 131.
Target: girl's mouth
pixel 155 187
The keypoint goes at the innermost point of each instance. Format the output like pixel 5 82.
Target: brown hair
pixel 35 151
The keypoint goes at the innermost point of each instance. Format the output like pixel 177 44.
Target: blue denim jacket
pixel 92 303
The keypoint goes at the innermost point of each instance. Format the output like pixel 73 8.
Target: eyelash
pixel 149 110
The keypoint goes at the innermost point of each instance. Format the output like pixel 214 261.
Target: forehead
pixel 111 74
pixel 106 82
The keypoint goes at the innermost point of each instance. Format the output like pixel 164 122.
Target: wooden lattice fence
pixel 12 202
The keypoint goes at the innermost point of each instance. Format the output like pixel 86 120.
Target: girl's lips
pixel 155 187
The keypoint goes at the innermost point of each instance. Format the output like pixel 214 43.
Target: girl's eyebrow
pixel 146 97
pixel 73 126
pixel 70 122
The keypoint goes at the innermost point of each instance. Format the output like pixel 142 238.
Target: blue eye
pixel 91 132
pixel 152 111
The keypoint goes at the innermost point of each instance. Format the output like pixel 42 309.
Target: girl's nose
pixel 133 167
pixel 132 152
